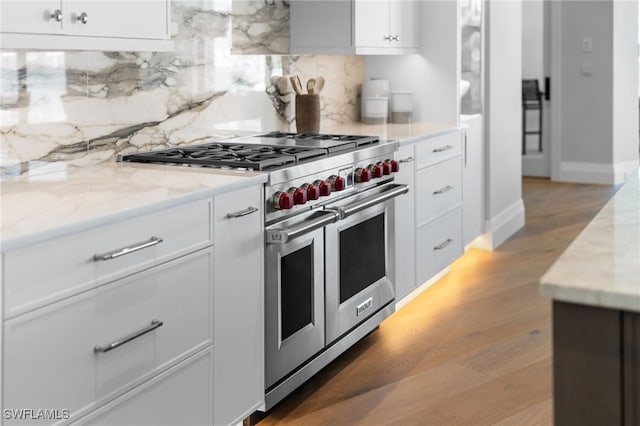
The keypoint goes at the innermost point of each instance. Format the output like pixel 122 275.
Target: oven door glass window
pixel 362 256
pixel 296 290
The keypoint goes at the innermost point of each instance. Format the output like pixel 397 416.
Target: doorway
pixel 536 65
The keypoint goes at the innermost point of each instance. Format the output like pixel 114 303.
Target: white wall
pixel 503 121
pixel 625 82
pixel 533 39
pixel 597 113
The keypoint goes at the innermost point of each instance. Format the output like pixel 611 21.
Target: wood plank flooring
pixel 473 349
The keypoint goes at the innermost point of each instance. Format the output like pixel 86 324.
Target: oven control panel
pixel 305 192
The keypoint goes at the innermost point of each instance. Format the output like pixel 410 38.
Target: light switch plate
pixel 587 44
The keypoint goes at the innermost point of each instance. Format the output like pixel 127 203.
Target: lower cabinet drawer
pixel 182 396
pixel 44 273
pixel 51 355
pixel 438 244
pixel 438 189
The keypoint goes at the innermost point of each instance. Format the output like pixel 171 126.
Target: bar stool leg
pixel 540 129
pixel 524 130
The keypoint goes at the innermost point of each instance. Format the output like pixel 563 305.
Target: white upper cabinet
pixel 386 24
pixel 141 25
pixel 35 17
pixel 366 27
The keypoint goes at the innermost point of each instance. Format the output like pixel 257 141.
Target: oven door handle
pixel 394 190
pixel 281 236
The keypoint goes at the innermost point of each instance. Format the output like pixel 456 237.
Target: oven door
pixel 294 293
pixel 357 259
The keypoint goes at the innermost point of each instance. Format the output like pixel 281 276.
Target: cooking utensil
pixel 311 84
pixel 296 84
pixel 319 85
pixel 282 85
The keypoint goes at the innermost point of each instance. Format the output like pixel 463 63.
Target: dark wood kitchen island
pixel 595 287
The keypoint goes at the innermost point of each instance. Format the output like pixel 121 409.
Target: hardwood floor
pixel 473 349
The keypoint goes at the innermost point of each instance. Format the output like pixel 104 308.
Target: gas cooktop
pixel 261 152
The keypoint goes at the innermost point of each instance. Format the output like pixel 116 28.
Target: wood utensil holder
pixel 308 113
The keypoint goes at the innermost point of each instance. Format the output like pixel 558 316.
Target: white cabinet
pixel 366 27
pixel 155 320
pixel 385 24
pixel 85 24
pixel 473 186
pixel 180 396
pixel 238 305
pixel 429 220
pixel 32 17
pixel 405 227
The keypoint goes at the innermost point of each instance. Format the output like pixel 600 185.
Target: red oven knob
pixel 313 192
pixel 337 183
pixel 362 174
pixel 299 196
pixel 324 186
pixel 282 200
pixel 386 168
pixel 395 166
pixel 376 170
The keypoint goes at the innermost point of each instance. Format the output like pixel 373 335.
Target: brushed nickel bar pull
pixel 443 244
pixel 390 192
pixel 443 148
pixel 126 250
pixel 241 213
pixel 111 346
pixel 443 190
pixel 406 160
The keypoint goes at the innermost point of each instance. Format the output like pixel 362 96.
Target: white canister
pixel 401 106
pixel 375 109
pixel 375 87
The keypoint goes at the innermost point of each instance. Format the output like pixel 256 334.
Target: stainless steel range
pixel 329 252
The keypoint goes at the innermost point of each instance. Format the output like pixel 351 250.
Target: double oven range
pixel 329 252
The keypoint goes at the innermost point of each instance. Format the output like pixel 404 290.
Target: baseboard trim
pixel 501 227
pixel 596 173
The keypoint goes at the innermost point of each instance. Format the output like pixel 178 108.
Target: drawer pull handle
pixel 443 190
pixel 154 324
pixel 443 244
pixel 443 148
pixel 126 250
pixel 241 213
pixel 406 160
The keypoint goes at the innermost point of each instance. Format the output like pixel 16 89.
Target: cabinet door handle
pixel 443 148
pixel 129 249
pixel 111 346
pixel 83 17
pixel 406 160
pixel 241 213
pixel 443 244
pixel 387 37
pixel 396 38
pixel 57 15
pixel 443 190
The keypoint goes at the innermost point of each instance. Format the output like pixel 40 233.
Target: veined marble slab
pixel 601 267
pixel 62 200
pixel 84 108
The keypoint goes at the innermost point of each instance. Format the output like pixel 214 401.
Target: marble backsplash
pixel 83 107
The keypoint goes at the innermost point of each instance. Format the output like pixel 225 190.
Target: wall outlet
pixel 587 44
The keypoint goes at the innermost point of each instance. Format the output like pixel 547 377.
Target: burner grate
pixel 248 156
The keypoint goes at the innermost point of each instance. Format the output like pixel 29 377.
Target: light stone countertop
pixel 60 201
pixel 601 267
pixel 405 134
